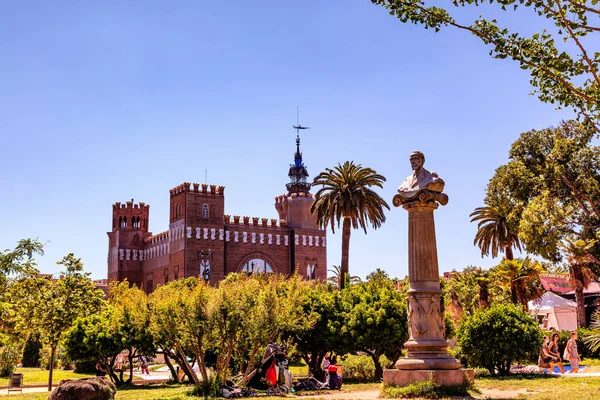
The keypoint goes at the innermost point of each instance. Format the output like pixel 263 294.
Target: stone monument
pixel 427 357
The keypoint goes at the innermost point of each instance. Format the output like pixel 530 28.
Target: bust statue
pixel 422 185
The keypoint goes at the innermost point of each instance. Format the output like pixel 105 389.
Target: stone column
pixel 427 356
pixel 426 346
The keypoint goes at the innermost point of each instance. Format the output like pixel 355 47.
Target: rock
pixel 84 389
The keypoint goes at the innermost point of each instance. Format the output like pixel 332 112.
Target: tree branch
pixel 481 35
pixel 583 51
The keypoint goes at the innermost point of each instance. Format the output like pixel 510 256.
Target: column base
pixel 448 377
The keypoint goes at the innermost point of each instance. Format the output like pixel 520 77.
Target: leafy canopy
pixel 562 59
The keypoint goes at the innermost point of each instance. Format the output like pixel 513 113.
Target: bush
pixel 423 390
pixel 360 368
pixel 9 357
pixel 85 367
pixel 495 337
pixel 31 351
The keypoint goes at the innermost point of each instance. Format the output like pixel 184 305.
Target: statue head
pixel 417 159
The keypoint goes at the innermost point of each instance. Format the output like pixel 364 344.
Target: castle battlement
pixel 270 223
pixel 198 188
pixel 130 205
pixel 159 237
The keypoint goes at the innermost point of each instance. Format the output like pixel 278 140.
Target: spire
pixel 298 173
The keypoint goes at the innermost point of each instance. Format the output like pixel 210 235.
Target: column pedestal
pixel 427 356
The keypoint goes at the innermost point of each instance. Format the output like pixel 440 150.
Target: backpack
pixel 271 375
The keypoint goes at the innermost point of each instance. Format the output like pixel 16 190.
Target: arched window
pixel 137 222
pixel 120 222
pixel 205 211
pixel 177 211
pixel 125 222
pixel 257 266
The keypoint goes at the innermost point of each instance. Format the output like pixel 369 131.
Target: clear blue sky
pixel 106 101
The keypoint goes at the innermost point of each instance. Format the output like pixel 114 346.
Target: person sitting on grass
pixel 554 354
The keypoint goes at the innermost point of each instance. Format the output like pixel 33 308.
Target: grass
pixel 177 392
pixel 423 390
pixel 38 376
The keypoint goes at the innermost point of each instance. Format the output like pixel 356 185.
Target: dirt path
pixel 357 395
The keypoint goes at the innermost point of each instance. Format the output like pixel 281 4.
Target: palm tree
pixel 345 194
pixel 494 233
pixel 335 279
pixel 523 278
pixel 577 253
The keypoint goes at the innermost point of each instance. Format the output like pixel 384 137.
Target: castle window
pixel 177 211
pixel 205 211
pixel 166 276
pixel 124 222
pixel 149 286
pixel 120 222
pixel 205 259
pixel 257 266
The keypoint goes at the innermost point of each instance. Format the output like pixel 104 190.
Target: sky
pixel 105 101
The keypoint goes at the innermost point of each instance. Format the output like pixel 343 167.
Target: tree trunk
pixel 513 292
pixel 170 365
pixel 484 296
pixel 130 356
pixel 508 253
pixel 580 306
pixel 187 365
pixel 378 369
pixel 52 351
pixel 345 251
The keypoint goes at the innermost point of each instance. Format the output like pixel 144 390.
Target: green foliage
pixel 360 368
pixel 322 307
pixel 31 351
pixel 494 233
pixel 473 287
pixel 552 185
pixel 346 195
pixel 423 390
pixel 566 75
pixel 495 337
pixel 375 318
pixel 9 356
pixel 522 277
pixel 50 307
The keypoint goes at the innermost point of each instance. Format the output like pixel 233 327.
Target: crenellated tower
pixel 126 241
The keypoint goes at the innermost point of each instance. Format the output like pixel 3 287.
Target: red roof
pixel 556 284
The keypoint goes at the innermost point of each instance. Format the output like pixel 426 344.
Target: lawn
pixel 38 376
pixel 535 387
pixel 171 392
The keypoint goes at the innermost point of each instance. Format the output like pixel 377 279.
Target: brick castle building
pixel 204 241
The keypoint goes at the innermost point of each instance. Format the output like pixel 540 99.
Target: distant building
pixel 204 241
pixel 448 274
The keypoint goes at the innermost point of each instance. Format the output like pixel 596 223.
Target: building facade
pixel 204 241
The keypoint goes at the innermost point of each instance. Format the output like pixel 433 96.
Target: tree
pixel 345 194
pixel 564 75
pixel 522 276
pixel 375 318
pixel 552 182
pixel 51 307
pixel 323 308
pixel 577 253
pixel 180 321
pixel 494 337
pixel 472 289
pixel 31 351
pixel 12 263
pixel 494 232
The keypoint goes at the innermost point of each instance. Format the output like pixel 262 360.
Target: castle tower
pixel 294 207
pixel 126 241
